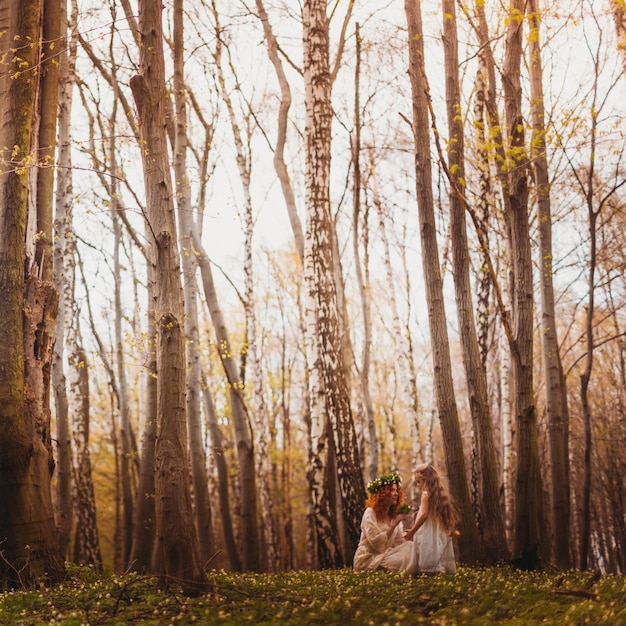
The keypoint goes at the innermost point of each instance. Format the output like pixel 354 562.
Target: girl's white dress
pixel 377 551
pixel 433 547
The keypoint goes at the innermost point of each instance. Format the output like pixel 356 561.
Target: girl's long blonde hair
pixel 439 502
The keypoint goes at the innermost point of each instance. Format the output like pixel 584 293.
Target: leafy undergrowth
pixel 471 596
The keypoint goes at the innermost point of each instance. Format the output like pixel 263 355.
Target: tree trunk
pixel 362 275
pixel 176 534
pixel 495 141
pixel 245 451
pixel 281 137
pixel 27 530
pixel 288 551
pixel 202 509
pixel 483 211
pixel 61 277
pixel 585 378
pixel 337 514
pixel 144 552
pixel 86 541
pixel 528 493
pixel 483 284
pixel 444 388
pixel 556 397
pixel 493 532
pixel 122 383
pixel 224 493
pixel 47 103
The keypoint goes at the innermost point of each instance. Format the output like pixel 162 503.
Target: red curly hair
pixel 377 501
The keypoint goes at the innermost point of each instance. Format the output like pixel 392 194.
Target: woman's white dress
pixel 377 551
pixel 433 547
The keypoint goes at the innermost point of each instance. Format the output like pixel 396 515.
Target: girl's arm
pixel 421 516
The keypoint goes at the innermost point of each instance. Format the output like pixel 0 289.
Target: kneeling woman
pixel 382 545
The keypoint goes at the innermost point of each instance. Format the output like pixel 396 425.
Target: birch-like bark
pixel 482 282
pixel 483 209
pixel 61 273
pixel 335 475
pixel 86 539
pixel 507 428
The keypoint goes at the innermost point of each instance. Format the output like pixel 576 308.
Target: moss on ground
pixel 471 596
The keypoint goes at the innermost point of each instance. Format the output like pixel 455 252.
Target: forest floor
pixel 471 596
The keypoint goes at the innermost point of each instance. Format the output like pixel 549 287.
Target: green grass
pixel 471 596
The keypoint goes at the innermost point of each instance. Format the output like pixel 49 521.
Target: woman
pixel 382 545
pixel 434 524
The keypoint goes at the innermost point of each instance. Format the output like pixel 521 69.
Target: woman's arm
pixel 376 536
pixel 422 515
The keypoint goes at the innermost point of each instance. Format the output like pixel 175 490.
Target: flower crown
pixel 382 481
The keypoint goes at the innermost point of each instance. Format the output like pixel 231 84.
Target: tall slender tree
pixel 127 503
pixel 529 545
pixel 281 135
pixel 61 272
pixel 202 505
pixel 444 387
pixel 250 537
pixel 598 196
pixel 335 476
pixel 554 378
pixel 176 533
pixel 360 225
pixel 223 492
pixel 494 147
pixel 86 537
pixel 144 552
pixel 492 520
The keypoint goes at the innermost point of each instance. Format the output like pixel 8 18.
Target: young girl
pixel 434 524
